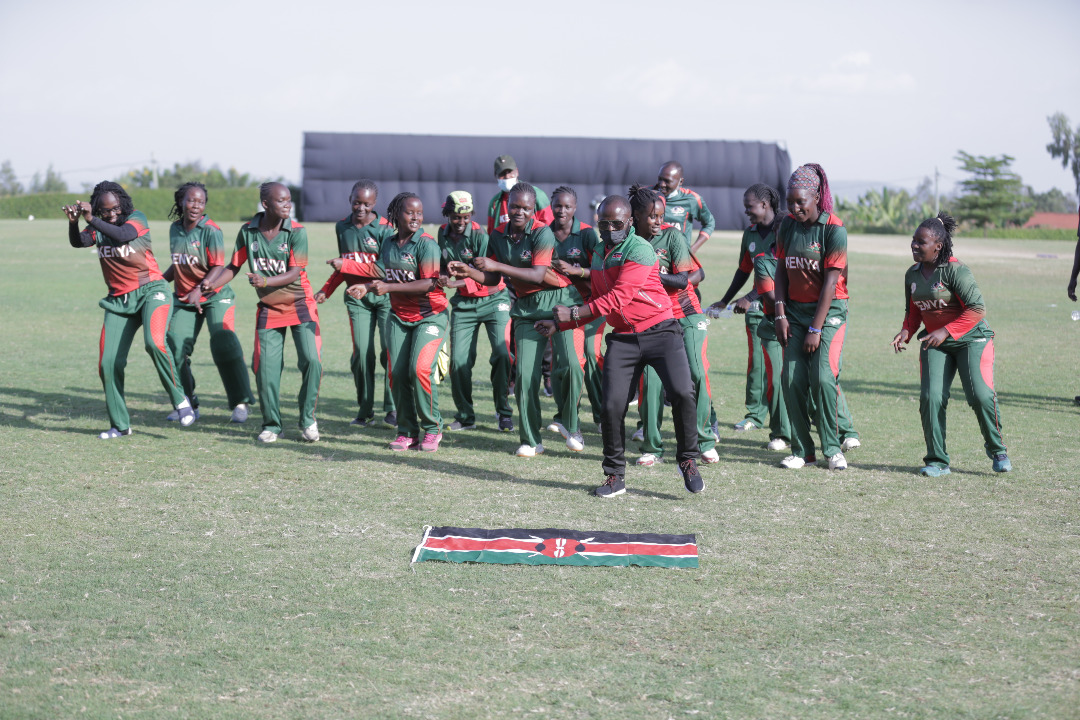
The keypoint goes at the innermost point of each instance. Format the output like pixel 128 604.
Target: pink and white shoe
pixel 430 442
pixel 403 442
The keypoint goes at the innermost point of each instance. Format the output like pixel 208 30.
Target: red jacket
pixel 626 288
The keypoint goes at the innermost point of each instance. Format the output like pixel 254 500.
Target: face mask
pixel 609 236
pixel 507 184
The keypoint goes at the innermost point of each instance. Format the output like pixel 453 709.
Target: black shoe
pixel 1077 399
pixel 390 419
pixel 691 476
pixel 506 423
pixel 613 485
pixel 547 386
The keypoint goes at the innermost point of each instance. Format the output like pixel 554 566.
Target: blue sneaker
pixel 934 471
pixel 1001 463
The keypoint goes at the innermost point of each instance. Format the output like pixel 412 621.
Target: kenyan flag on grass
pixel 556 547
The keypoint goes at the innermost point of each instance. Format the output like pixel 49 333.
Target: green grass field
pixel 194 574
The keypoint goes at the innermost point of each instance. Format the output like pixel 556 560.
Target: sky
pixel 876 93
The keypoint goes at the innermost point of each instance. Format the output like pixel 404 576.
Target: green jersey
pixel 534 248
pixel 806 252
pixel 684 207
pixel 291 304
pixel 359 249
pixel 948 299
pixel 416 258
pixel 194 253
pixel 471 245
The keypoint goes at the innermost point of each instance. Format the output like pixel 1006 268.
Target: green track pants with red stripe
pixel 651 393
pixel 468 316
pixel 973 357
pixel 756 382
pixel 364 317
pixel 567 377
pixel 218 316
pixel 269 361
pixel 413 349
pixel 149 307
pixel 811 380
pixel 594 366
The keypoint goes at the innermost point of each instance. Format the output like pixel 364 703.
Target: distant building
pixel 1058 221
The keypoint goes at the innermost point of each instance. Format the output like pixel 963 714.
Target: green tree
pixel 885 211
pixel 187 172
pixel 1054 200
pixel 9 181
pixel 993 196
pixel 52 183
pixel 1065 145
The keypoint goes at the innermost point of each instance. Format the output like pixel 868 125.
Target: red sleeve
pixel 913 318
pixel 632 277
pixel 332 283
pixel 363 269
pixel 746 263
pixel 542 217
pixel 967 319
pixel 239 257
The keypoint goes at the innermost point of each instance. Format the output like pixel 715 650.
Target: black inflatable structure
pixel 432 166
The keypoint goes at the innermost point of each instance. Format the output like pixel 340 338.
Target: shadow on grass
pixel 421 463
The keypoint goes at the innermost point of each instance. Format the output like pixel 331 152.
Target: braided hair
pixel 941 227
pixel 179 196
pixel 522 188
pixel 364 184
pixel 642 198
pixel 764 193
pixel 397 205
pixel 564 190
pixel 105 187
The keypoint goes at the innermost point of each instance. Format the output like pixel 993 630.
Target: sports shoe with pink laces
pixel 431 442
pixel 403 442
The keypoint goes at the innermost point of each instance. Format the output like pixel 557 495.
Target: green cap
pixel 504 163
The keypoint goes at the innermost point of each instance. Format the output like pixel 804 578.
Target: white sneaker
pixel 778 444
pixel 557 427
pixel 267 436
pixel 850 444
pixel 792 462
pixel 175 415
pixel 240 413
pixel 648 460
pixel 639 435
pixel 837 462
pixel 529 450
pixel 113 433
pixel 311 433
pixel 575 442
pixel 709 457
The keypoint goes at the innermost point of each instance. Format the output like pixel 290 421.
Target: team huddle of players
pixel 546 288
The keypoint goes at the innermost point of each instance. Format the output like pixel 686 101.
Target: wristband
pixel 574 314
pixel 813 330
pixel 780 317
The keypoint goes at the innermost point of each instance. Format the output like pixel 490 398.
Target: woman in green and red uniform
pixel 761 204
pixel 138 297
pixel 475 306
pixel 942 295
pixel 575 244
pixel 418 322
pixel 678 276
pixel 360 238
pixel 811 314
pixel 196 246
pixel 522 250
pixel 276 250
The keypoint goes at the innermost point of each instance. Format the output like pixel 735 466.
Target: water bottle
pixel 727 312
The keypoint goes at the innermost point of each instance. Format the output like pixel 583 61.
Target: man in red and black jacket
pixel 626 290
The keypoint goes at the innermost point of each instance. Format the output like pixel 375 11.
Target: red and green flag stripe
pixel 550 546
